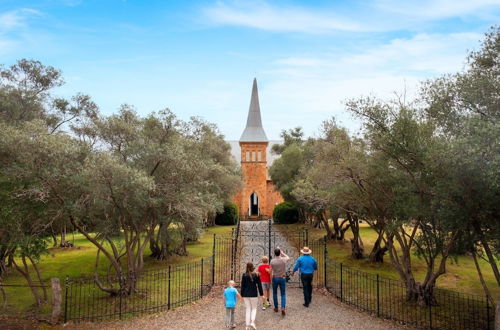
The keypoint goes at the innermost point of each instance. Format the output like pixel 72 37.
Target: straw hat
pixel 306 250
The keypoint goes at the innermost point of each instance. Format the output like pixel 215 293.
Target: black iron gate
pixel 254 239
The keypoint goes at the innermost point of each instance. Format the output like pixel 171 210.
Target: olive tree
pixel 465 108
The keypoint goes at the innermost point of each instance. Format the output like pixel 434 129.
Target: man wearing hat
pixel 306 265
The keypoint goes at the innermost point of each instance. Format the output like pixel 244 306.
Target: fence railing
pixel 155 290
pixel 173 286
pixel 386 297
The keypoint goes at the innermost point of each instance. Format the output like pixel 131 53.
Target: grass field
pixel 80 260
pixel 461 274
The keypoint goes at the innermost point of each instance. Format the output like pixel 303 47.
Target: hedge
pixel 285 213
pixel 228 217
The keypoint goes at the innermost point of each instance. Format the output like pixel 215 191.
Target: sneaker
pixel 263 308
pixel 253 326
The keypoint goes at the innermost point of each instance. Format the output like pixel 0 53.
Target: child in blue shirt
pixel 230 295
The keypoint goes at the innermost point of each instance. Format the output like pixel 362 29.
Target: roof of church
pixel 253 131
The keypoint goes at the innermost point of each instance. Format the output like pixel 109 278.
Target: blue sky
pixel 199 57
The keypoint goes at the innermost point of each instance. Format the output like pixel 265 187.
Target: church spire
pixel 253 131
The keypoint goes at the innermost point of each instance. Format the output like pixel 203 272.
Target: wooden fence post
pixel 56 300
pixel 66 283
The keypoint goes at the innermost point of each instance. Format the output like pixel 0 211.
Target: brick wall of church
pixel 273 197
pixel 254 170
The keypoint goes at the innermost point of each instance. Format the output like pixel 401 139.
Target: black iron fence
pixel 386 297
pixel 154 290
pixel 173 286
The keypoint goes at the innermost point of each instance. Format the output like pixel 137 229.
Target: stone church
pixel 257 198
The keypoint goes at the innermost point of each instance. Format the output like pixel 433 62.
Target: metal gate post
pixel 430 316
pixel 378 296
pixel 66 299
pixel 201 279
pixel 487 314
pixel 169 285
pixel 325 263
pixel 233 256
pixel 213 262
pixel 269 247
pixel 341 284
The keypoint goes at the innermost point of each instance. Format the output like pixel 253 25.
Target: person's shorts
pixel 266 285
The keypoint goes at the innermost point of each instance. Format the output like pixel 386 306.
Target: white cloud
pixel 10 20
pixel 301 61
pixel 318 86
pixel 438 9
pixel 428 53
pixel 279 19
pixel 12 24
pixel 14 19
pixel 382 15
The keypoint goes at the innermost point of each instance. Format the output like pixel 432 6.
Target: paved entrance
pixel 259 238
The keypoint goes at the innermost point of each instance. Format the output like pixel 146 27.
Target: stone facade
pixel 257 198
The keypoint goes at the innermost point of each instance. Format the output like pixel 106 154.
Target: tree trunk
pixel 487 250
pixel 338 228
pixel 422 295
pixel 25 273
pixel 39 276
pixel 63 236
pixel 4 294
pixel 64 243
pixel 357 249
pixel 481 279
pixel 329 233
pixel 302 216
pixel 378 251
pixel 160 245
pixel 3 266
pixel 54 239
pixel 181 249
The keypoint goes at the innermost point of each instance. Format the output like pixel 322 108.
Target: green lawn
pixel 461 274
pixel 80 261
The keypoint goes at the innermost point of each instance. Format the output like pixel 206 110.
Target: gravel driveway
pixel 325 312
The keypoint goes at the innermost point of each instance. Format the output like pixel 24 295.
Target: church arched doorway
pixel 254 205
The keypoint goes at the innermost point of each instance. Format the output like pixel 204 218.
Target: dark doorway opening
pixel 254 204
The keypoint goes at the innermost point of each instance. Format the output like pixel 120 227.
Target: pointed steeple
pixel 253 131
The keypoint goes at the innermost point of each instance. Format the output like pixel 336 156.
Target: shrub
pixel 228 217
pixel 285 213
